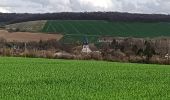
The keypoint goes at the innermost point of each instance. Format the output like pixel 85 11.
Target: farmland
pixel 136 29
pixel 27 36
pixel 31 26
pixel 27 78
pixel 76 29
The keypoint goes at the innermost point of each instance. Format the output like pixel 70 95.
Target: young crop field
pixel 94 27
pixel 40 79
pixel 76 29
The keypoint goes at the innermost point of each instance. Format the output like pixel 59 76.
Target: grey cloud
pixel 42 6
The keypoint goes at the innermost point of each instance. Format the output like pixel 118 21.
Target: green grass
pixel 38 79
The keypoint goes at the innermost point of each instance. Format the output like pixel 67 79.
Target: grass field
pixel 94 27
pixel 76 29
pixel 38 79
pixel 31 26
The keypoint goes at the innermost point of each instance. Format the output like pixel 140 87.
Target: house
pixel 86 48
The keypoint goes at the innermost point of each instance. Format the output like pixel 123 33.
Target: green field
pixel 76 29
pixel 40 79
pixel 80 27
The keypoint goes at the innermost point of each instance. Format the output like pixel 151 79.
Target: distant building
pixel 105 40
pixel 86 48
pixel 167 56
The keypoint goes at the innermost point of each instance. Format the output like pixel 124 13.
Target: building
pixel 86 48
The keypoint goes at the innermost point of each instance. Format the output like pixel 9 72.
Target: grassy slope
pixel 94 29
pixel 136 29
pixel 31 26
pixel 62 79
pixel 75 30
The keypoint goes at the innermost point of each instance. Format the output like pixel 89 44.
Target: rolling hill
pixel 75 30
pixel 31 26
pixel 106 28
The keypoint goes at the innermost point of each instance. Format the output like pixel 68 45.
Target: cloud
pixel 3 10
pixel 43 6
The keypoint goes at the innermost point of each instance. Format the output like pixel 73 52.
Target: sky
pixel 50 6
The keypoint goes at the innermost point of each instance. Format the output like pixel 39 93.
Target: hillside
pixel 27 36
pixel 31 26
pixel 75 30
pixel 106 28
pixel 9 18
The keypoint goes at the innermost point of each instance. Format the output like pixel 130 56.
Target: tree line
pixel 133 50
pixel 9 18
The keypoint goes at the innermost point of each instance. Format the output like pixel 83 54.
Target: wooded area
pixel 8 18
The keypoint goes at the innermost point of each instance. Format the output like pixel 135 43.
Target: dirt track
pixel 27 36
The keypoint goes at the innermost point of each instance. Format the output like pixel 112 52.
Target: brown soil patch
pixel 27 36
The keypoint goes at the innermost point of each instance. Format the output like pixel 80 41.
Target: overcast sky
pixel 43 6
